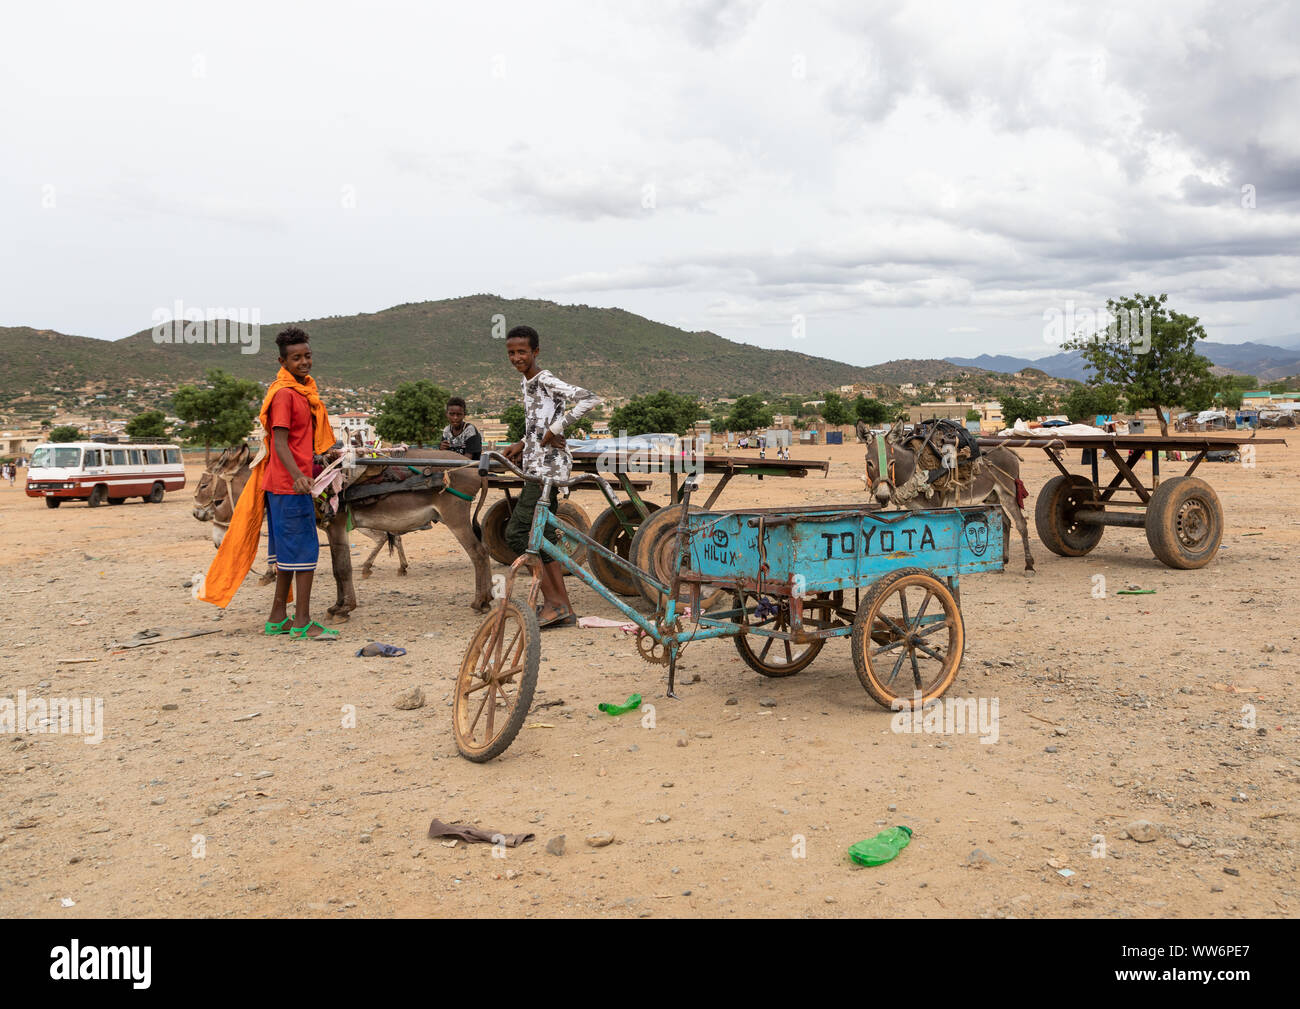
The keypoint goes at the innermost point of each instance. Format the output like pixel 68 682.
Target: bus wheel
pixel 53 502
pixel 155 496
pixel 97 496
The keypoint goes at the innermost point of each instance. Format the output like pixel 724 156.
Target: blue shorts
pixel 291 543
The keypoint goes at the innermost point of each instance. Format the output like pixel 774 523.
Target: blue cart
pixel 788 580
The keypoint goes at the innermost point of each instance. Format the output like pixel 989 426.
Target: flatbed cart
pixel 1181 515
pixel 887 580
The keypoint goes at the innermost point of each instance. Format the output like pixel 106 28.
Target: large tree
pixel 1149 353
pixel 870 411
pixel 834 411
pixel 414 413
pixel 749 413
pixel 64 433
pixel 222 414
pixel 150 424
pixel 662 411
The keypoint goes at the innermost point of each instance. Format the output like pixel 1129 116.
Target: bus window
pixel 154 456
pixel 51 456
pixel 174 455
pixel 135 456
pixel 91 458
pixel 119 457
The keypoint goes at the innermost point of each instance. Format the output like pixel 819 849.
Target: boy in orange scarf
pixel 296 425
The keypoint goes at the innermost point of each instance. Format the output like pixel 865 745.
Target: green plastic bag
pixel 631 704
pixel 882 848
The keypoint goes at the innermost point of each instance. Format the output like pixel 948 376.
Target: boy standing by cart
pixel 544 453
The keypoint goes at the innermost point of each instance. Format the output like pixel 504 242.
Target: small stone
pixel 366 839
pixel 263 774
pixel 555 846
pixel 513 874
pixel 1270 647
pixel 668 784
pixel 733 700
pixel 893 808
pixel 158 801
pixel 1060 732
pixel 664 817
pixel 409 700
pixel 600 839
pixel 633 748
pixel 170 707
pixel 704 735
pixel 682 741
pixel 1186 842
pixel 212 809
pixel 980 857
pixel 1216 889
pixel 1051 749
pixel 767 702
pixel 1142 831
pixel 1231 871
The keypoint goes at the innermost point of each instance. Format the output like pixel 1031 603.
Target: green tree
pixel 150 424
pixel 835 412
pixel 1153 360
pixel 871 411
pixel 972 415
pixel 748 413
pixel 220 415
pixel 516 420
pixel 64 432
pixel 1083 403
pixel 1029 407
pixel 661 411
pixel 414 413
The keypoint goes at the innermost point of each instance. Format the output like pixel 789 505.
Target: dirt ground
pixel 1111 710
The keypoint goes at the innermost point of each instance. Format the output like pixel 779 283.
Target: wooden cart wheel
pixel 608 531
pixel 775 657
pixel 1184 522
pixel 1054 512
pixel 899 648
pixel 496 682
pixel 494 532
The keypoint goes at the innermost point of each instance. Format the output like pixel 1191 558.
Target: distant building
pixel 942 411
pixel 352 423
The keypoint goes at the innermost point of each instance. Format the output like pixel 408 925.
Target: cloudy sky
pixel 857 180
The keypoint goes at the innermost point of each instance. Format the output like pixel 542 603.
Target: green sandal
pixel 281 628
pixel 300 633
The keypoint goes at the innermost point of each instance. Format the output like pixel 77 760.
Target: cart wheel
pixel 497 678
pixel 1054 511
pixel 661 566
pixel 901 645
pixel 648 550
pixel 608 531
pixel 1184 522
pixel 776 657
pixel 494 532
pixel 573 514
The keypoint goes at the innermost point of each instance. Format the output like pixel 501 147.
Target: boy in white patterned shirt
pixel 544 453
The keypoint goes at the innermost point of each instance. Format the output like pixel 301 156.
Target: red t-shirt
pixel 289 409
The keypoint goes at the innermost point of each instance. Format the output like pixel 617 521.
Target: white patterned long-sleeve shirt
pixel 545 398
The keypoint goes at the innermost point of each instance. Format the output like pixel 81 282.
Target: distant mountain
pixel 453 342
pixel 1264 361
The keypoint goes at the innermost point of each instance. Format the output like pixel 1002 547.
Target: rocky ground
pixel 1146 744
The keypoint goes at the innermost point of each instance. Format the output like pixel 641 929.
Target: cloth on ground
pixel 379 648
pixel 467 833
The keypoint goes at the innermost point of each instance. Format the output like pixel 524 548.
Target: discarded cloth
pixel 379 648
pixel 466 833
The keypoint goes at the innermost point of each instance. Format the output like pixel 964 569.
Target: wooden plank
pixel 1126 470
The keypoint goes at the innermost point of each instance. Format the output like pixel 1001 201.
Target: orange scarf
pixel 238 549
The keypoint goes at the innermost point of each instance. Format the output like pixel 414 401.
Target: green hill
pixel 610 351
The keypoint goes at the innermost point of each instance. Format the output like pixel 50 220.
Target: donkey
pixel 405 511
pixel 995 474
pixel 223 481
